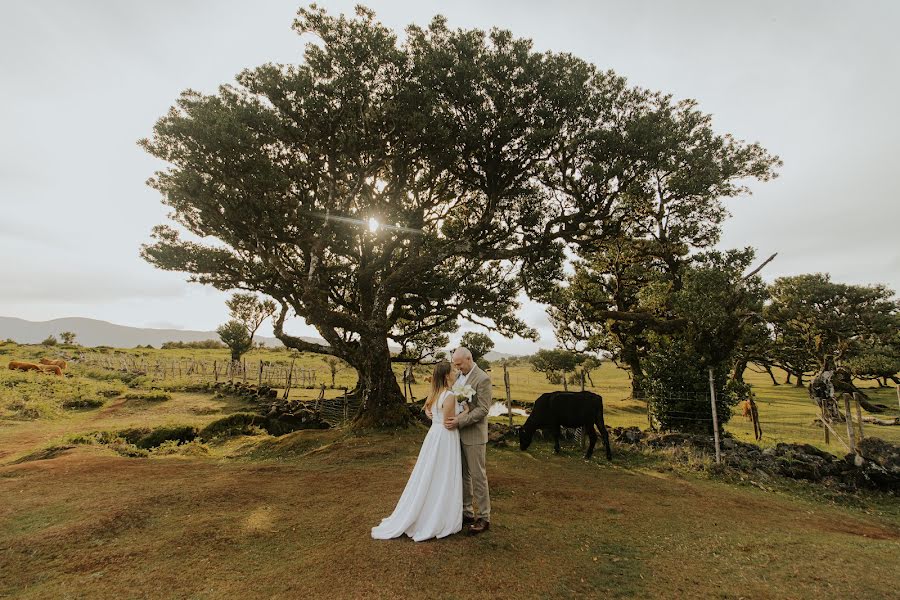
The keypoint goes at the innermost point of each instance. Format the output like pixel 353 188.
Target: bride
pixel 431 503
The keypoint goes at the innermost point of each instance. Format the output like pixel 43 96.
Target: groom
pixel 473 436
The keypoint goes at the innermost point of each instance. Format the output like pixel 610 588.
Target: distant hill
pixel 93 332
pixel 492 356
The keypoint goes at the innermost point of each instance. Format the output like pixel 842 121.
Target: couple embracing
pixel 450 470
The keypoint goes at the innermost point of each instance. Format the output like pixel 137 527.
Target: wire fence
pixel 262 372
pixel 771 421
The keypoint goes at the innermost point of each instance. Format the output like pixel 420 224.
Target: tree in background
pixel 669 215
pixel 587 366
pixel 67 337
pixel 479 344
pixel 50 340
pixel 234 335
pixel 197 345
pixel 250 311
pixel 877 356
pixel 335 366
pixel 716 304
pixel 814 318
pixel 554 364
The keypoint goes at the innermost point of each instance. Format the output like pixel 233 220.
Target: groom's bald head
pixel 462 359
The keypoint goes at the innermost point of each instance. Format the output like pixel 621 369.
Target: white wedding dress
pixel 431 503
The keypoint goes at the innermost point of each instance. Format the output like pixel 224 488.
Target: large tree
pixel 675 210
pixel 250 311
pixel 815 319
pixel 382 190
pixel 717 304
pixel 555 363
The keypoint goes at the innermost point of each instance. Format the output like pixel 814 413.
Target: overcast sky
pixel 815 82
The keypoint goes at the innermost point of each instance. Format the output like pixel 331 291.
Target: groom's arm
pixel 482 405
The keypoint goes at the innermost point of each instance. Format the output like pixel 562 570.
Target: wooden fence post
pixel 215 371
pixel 346 409
pixel 858 416
pixel 259 383
pixel 287 389
pixel 849 421
pixel 715 417
pixel 508 394
pixel 824 422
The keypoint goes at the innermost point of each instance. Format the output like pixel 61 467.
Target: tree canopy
pixel 382 190
pixel 814 318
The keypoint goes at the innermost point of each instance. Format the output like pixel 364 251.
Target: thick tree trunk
pixel 382 401
pixel 739 368
pixel 772 375
pixel 799 382
pixel 787 378
pixel 633 361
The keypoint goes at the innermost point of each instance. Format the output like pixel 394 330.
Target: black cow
pixel 566 409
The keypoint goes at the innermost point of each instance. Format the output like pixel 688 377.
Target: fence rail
pixel 262 372
pixel 775 420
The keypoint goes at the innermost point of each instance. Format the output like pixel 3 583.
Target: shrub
pixel 128 450
pixel 151 396
pixel 677 389
pixel 192 448
pixel 82 403
pixel 233 425
pixel 200 345
pixel 150 438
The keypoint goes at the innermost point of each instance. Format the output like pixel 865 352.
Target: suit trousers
pixel 474 480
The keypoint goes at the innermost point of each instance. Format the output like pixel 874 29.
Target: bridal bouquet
pixel 463 391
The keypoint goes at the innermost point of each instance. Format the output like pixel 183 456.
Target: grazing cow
pixel 51 369
pixel 750 411
pixel 567 409
pixel 18 365
pixel 54 361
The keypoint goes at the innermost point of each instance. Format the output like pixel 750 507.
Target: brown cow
pixel 23 366
pixel 51 369
pixel 54 361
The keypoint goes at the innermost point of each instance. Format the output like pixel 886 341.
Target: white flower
pixel 463 391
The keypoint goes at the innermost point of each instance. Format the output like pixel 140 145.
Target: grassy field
pixel 284 517
pixel 786 413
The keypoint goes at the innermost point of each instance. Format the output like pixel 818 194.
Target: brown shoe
pixel 479 526
pixel 467 520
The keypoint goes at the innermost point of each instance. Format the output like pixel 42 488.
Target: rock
pixel 885 454
pixel 728 444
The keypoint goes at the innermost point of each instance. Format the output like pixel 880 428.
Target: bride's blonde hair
pixel 438 382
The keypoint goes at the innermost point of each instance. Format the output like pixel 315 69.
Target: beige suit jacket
pixel 473 425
